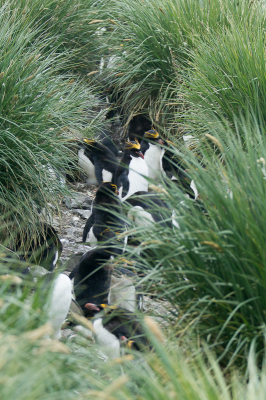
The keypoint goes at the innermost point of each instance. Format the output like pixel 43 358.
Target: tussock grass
pixel 33 367
pixel 228 74
pixel 67 25
pixel 41 109
pixel 151 43
pixel 212 269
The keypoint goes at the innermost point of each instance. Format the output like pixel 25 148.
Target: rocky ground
pixel 71 220
pixel 70 223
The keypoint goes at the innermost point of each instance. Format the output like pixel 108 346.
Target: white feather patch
pixel 137 176
pixel 92 238
pixel 109 342
pixel 139 216
pixel 107 175
pixel 88 167
pixel 153 158
pixel 193 187
pixel 59 303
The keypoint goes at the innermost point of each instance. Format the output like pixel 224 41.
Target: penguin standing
pixel 44 249
pixel 99 163
pixel 92 278
pixel 106 208
pixel 153 151
pixel 132 173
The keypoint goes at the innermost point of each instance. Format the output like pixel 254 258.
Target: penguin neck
pixel 126 159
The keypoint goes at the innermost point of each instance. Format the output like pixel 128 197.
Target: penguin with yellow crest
pixel 132 173
pixel 98 162
pixel 152 147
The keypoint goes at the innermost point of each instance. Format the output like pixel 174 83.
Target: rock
pixel 84 213
pixel 72 232
pixel 74 258
pixel 80 201
pixel 73 261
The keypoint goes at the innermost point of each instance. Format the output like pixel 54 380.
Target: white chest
pixel 110 344
pixel 59 303
pixel 88 167
pixel 107 175
pixel 92 238
pixel 138 171
pixel 153 158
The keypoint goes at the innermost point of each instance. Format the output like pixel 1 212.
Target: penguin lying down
pixel 96 285
pixel 145 208
pixel 115 327
pixel 97 281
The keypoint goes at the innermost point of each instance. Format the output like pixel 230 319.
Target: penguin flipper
pixel 89 223
pixel 98 172
pixel 124 182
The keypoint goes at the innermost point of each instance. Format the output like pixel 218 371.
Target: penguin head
pixel 153 136
pixel 89 141
pixel 133 149
pixel 105 191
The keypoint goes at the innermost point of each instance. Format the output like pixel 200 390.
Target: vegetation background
pixel 194 67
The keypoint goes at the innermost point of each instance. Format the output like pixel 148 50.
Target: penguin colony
pixel 96 288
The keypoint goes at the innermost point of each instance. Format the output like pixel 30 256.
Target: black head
pixel 133 149
pixel 105 191
pixel 153 136
pixel 93 147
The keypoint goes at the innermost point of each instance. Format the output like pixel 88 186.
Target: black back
pixel 101 157
pixel 106 140
pixel 105 213
pixel 92 278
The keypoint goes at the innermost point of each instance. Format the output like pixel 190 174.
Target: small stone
pixel 84 213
